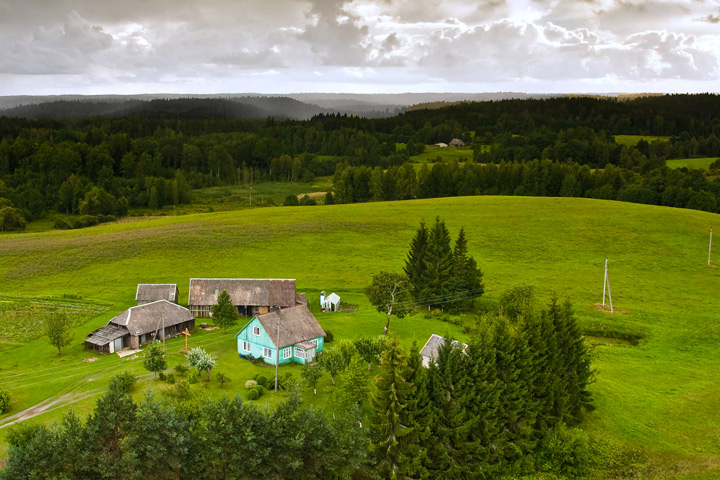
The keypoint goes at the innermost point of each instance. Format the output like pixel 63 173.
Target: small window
pixel 246 346
pixel 287 353
pixel 256 331
pixel 314 341
pixel 299 352
pixel 267 353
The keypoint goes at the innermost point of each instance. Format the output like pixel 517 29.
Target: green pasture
pixel 632 140
pixel 447 154
pixel 696 163
pixel 659 396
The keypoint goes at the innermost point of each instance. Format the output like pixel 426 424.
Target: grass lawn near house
pixel 660 395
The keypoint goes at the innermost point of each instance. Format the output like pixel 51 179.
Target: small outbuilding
pixel 441 145
pixel 329 303
pixel 294 332
pixel 456 142
pixel 140 325
pixel 429 351
pixel 152 292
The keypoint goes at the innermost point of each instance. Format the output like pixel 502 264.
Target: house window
pixel 246 346
pixel 287 353
pixel 256 331
pixel 314 341
pixel 267 353
pixel 299 352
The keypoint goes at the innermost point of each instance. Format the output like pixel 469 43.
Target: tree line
pixel 53 164
pixel 681 188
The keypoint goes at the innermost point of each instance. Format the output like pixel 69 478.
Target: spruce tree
pixel 224 312
pixel 389 427
pixel 452 448
pixel 436 287
pixel 483 402
pixel 466 276
pixel 419 415
pixel 415 263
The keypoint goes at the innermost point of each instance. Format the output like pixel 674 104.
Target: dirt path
pixel 53 403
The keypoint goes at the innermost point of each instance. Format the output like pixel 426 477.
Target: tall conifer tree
pixel 466 283
pixel 415 263
pixel 436 288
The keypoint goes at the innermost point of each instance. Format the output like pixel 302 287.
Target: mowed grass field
pixel 696 163
pixel 661 396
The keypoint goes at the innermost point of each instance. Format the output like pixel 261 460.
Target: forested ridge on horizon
pixel 106 165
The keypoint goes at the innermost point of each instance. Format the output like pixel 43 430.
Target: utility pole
pixel 277 351
pixel 606 283
pixel 710 247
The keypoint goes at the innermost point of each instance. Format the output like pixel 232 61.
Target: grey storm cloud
pixel 228 44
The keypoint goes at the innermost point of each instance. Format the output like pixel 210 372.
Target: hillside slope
pixel 660 395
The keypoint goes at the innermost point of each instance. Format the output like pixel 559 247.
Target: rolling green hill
pixel 660 396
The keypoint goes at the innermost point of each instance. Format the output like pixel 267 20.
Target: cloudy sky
pixel 360 46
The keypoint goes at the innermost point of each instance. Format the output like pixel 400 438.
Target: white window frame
pixel 267 352
pixel 287 353
pixel 314 341
pixel 299 353
pixel 246 346
pixel 256 331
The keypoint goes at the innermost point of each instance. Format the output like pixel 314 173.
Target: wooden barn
pixel 152 292
pixel 293 331
pixel 139 325
pixel 429 351
pixel 251 296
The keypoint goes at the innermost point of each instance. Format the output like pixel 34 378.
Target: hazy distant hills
pixel 293 106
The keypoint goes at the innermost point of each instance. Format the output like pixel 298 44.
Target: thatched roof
pixel 300 299
pixel 430 350
pixel 297 325
pixel 243 291
pixel 456 142
pixel 106 334
pixel 150 292
pixel 152 316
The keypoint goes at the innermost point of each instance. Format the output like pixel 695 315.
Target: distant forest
pixel 155 153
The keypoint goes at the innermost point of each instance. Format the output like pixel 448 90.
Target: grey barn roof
pixel 297 325
pixel 152 316
pixel 150 292
pixel 430 350
pixel 243 291
pixel 106 334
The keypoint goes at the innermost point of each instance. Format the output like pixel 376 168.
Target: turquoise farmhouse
pixel 293 331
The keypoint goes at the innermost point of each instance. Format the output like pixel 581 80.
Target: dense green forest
pixel 102 166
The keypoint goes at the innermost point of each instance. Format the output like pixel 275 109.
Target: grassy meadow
pixel 696 163
pixel 659 396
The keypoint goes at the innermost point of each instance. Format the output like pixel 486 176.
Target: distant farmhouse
pixel 139 325
pixel 456 142
pixel 293 331
pixel 251 296
pixel 429 351
pixel 151 292
pixel 329 303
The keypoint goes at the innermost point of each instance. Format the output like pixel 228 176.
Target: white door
pixel 118 344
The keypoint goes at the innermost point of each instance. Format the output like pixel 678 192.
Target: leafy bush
pixel 259 389
pixel 222 378
pixel 250 384
pixel 262 380
pixel 162 376
pixel 124 382
pixel 181 369
pixel 192 378
pixel 4 400
pixel 253 394
pixel 291 201
pixel 329 337
pixel 170 378
pixel 566 450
